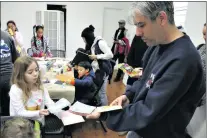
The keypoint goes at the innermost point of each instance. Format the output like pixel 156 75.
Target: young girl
pixel 28 97
pixel 39 43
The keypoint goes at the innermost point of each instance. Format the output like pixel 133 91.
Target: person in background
pixel 100 54
pixel 84 85
pixel 39 43
pixel 135 56
pixel 162 103
pixel 197 125
pixel 16 35
pixel 120 48
pixel 17 128
pixel 8 55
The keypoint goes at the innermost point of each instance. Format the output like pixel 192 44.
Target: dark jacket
pixel 85 87
pixel 136 53
pixel 104 65
pixel 116 37
pixel 163 102
pixel 8 54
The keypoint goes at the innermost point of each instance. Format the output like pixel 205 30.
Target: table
pixel 57 91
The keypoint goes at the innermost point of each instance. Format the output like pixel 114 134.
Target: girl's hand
pixel 44 112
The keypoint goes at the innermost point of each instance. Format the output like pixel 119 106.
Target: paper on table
pixel 81 109
pixel 108 108
pixel 69 118
pixel 59 105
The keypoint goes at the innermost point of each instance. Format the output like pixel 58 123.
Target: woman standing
pixel 100 54
pixel 39 43
pixel 16 35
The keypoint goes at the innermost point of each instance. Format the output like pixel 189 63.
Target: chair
pixel 96 102
pixel 54 126
pixel 30 52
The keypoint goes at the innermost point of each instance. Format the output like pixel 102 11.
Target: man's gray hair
pixel 151 9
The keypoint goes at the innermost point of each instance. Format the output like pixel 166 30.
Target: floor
pixel 91 128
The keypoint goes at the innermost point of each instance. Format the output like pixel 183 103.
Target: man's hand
pixel 93 115
pixel 92 57
pixel 120 101
pixel 138 72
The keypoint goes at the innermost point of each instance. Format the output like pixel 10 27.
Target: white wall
pixel 195 19
pixel 23 13
pixel 79 16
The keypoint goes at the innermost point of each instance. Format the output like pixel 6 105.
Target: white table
pixel 57 91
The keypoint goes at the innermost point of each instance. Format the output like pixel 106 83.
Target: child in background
pixel 28 97
pixel 17 128
pixel 85 87
pixel 40 43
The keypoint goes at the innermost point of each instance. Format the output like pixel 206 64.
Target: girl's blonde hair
pixel 18 76
pixel 17 128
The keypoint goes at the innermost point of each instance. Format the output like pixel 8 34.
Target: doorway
pixel 64 10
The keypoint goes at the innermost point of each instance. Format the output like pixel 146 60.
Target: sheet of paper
pixel 108 108
pixel 59 105
pixel 81 109
pixel 69 118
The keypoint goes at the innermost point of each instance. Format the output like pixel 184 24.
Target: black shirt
pixel 164 100
pixel 8 54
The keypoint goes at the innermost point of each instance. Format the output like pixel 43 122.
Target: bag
pixel 103 64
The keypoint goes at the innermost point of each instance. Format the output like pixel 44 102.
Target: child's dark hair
pixel 85 64
pixel 35 29
pixel 12 22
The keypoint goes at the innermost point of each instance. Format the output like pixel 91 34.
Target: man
pixel 119 48
pixel 197 126
pixel 8 55
pixel 162 103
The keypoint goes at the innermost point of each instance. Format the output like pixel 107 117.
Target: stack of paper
pixel 69 118
pixel 108 108
pixel 59 105
pixel 83 109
